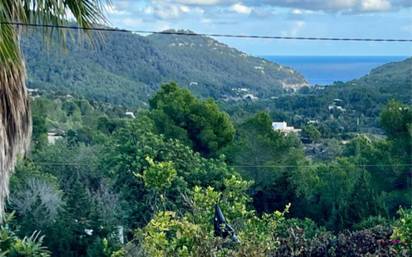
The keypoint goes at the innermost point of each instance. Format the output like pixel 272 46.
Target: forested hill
pixel 351 106
pixel 389 80
pixel 126 68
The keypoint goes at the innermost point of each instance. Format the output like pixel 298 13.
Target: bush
pixel 402 234
pixel 191 233
pixel 371 222
pixel 369 242
pixel 13 246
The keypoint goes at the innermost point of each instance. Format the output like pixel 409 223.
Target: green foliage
pixel 158 176
pixel 107 73
pixel 403 232
pixel 127 156
pixel 371 242
pixel 311 132
pixel 372 221
pixel 13 246
pixel 396 120
pixel 36 198
pixel 39 133
pixel 178 114
pixel 363 99
pixel 142 180
pixel 339 193
pixel 169 234
pixel 307 226
pixel 269 158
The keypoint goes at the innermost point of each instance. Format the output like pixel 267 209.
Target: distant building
pixel 313 122
pixel 337 104
pixel 52 137
pixel 120 234
pixel 33 92
pixel 336 107
pixel 319 87
pixel 284 128
pixel 130 114
pixel 250 97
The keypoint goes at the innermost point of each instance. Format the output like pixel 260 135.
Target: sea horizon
pixel 326 69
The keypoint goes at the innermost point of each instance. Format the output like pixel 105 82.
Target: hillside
pixel 389 80
pixel 351 107
pixel 126 68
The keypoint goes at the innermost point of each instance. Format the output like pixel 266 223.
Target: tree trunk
pixel 15 123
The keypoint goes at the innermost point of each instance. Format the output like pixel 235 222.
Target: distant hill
pixel 392 80
pixel 370 92
pixel 352 106
pixel 127 68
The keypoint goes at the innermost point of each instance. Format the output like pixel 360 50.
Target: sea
pixel 324 70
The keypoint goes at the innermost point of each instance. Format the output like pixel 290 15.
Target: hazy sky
pixel 320 18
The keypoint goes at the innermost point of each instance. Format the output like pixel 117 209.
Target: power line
pixel 182 33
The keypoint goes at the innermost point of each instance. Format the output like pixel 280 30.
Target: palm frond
pixel 15 121
pixel 15 116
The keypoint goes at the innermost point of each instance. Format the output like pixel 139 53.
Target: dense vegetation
pixel 126 69
pixel 343 108
pixel 103 181
pixel 114 185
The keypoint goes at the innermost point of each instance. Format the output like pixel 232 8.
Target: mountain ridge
pixel 127 68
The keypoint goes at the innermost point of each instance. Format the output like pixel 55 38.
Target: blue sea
pixel 324 70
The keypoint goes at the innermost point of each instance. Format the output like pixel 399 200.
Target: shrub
pixel 13 246
pixel 402 234
pixel 368 242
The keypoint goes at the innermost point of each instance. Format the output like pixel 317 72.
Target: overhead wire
pixel 188 33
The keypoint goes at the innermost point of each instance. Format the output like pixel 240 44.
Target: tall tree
pixel 199 123
pixel 15 116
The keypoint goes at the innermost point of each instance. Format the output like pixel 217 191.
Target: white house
pixel 52 137
pixel 130 114
pixel 284 128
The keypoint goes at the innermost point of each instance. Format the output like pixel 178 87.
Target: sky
pixel 306 18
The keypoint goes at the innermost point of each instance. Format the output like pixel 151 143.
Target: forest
pixel 98 182
pixel 126 68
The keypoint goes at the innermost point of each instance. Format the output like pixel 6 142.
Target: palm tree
pixel 15 115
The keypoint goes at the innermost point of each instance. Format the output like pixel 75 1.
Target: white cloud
pixel 354 6
pixel 375 5
pixel 217 11
pixel 168 11
pixel 297 11
pixel 199 2
pixel 341 4
pixel 132 22
pixel 114 10
pixel 296 28
pixel 300 12
pixel 240 8
pixel 223 9
pixel 184 9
